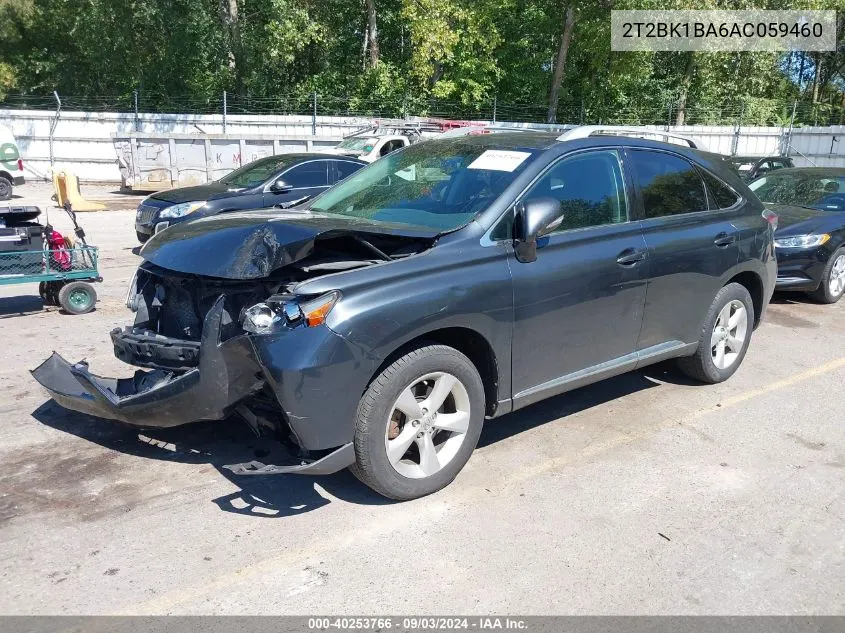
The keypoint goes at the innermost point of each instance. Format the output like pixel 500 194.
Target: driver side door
pixel 578 307
pixel 305 180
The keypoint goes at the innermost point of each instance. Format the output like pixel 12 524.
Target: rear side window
pixel 311 174
pixel 346 168
pixel 723 195
pixel 669 185
pixel 590 189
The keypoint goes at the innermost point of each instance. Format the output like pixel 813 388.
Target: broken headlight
pixel 260 319
pixel 264 317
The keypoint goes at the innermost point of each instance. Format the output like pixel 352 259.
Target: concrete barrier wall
pixel 187 148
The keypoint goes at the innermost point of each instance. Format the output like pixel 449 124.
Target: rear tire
pixel 77 297
pixel 5 188
pixel 724 337
pixel 408 455
pixel 832 286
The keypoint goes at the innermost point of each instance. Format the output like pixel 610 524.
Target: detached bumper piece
pixel 335 461
pixel 227 372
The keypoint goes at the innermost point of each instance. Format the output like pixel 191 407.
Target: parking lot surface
pixel 644 494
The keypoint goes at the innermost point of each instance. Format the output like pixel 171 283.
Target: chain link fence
pixel 740 112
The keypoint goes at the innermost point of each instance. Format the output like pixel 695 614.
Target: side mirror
pixel 280 186
pixel 534 219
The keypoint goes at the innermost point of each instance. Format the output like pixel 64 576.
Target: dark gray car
pixel 454 281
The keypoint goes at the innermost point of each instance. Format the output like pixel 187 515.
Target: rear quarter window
pixel 722 194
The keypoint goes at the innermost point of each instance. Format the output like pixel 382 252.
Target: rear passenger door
pixel 691 246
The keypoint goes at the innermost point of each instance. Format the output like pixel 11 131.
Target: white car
pixel 369 148
pixel 11 165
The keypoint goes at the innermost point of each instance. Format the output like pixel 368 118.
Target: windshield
pixel 815 190
pixel 438 184
pixel 255 172
pixel 358 143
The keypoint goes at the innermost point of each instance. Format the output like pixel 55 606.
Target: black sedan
pixel 284 180
pixel 810 240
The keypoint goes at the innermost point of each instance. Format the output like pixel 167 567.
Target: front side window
pixel 669 184
pixel 441 184
pixel 311 174
pixel 255 173
pixel 589 187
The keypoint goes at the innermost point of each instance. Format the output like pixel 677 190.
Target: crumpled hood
pixel 252 244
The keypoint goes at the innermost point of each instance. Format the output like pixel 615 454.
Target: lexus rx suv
pixel 452 282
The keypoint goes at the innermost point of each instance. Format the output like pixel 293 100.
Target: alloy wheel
pixel 836 280
pixel 427 425
pixel 729 334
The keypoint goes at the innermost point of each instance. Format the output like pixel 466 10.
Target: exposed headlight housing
pixel 260 319
pixel 178 210
pixel 263 318
pixel 802 241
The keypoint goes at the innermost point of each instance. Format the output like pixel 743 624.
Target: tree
pixel 560 62
pixel 372 32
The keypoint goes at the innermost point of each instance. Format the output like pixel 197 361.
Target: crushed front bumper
pixel 227 373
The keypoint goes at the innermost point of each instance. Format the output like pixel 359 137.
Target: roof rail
pixel 585 131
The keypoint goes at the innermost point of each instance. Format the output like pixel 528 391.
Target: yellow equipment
pixel 66 186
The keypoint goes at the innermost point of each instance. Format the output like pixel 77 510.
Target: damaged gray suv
pixel 451 282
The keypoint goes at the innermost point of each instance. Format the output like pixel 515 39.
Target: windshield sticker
pixel 499 160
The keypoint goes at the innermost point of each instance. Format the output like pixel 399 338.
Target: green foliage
pixel 436 56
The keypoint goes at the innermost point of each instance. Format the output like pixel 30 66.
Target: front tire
pixel 418 423
pixel 142 237
pixel 832 287
pixel 5 188
pixel 724 337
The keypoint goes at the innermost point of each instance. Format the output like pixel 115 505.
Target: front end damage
pixel 198 359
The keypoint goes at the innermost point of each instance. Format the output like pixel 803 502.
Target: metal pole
pixel 225 108
pixel 494 108
pixel 135 99
pixel 786 149
pixel 314 116
pixel 54 123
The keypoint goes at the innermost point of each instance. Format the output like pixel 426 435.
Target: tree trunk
pixel 229 17
pixel 685 84
pixel 817 58
pixel 364 49
pixel 801 73
pixel 560 65
pixel 372 31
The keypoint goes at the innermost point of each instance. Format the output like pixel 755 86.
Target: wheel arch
pixel 5 174
pixel 470 343
pixel 753 283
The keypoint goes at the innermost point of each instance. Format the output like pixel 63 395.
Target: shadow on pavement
pixel 20 305
pixel 274 496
